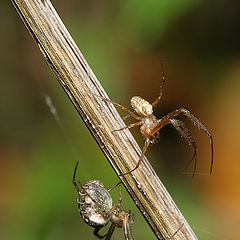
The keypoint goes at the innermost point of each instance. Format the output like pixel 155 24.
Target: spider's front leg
pixel 161 88
pixel 132 114
pixel 128 127
pixel 96 230
pixel 74 178
pixel 76 185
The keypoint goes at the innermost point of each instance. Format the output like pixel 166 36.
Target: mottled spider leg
pixel 114 186
pixel 110 231
pixel 108 235
pixel 120 197
pixel 147 142
pixel 169 238
pixel 196 122
pixel 179 125
pixel 96 230
pixel 78 190
pixel 161 88
pixel 127 227
pixel 74 178
pixel 119 105
pixel 76 186
pixel 128 127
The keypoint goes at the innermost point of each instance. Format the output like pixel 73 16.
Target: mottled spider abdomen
pixel 141 106
pixel 95 203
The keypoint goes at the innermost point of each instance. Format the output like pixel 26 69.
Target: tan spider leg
pixel 119 105
pixel 191 117
pixel 161 88
pixel 141 158
pixel 128 127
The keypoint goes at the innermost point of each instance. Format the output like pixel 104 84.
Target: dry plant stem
pixel 101 117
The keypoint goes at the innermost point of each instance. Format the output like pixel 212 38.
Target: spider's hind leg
pixel 110 231
pixel 180 127
pixel 108 235
pixel 95 232
pixel 196 122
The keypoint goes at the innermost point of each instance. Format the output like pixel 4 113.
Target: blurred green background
pixel 124 42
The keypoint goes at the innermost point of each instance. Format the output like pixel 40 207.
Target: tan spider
pixel 150 125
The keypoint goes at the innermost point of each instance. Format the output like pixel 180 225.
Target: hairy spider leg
pixel 200 126
pixel 179 125
pixel 182 130
pixel 146 145
pixel 161 87
pixel 191 117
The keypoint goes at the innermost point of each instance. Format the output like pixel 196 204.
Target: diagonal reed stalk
pixel 120 149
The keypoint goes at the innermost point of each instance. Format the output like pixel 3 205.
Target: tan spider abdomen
pixel 141 106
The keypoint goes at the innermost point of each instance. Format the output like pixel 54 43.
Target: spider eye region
pixel 141 106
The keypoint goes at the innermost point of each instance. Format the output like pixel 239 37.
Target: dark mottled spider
pixel 96 208
pixel 150 125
